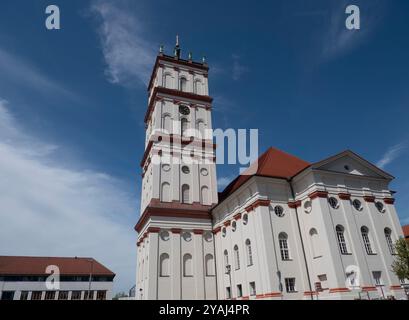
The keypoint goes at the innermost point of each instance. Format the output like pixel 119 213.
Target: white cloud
pixel 23 73
pixel 338 40
pixel 48 208
pixel 128 55
pixel 238 68
pixel 391 154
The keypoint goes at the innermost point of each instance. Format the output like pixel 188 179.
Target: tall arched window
pixel 183 126
pixel 236 257
pixel 315 243
pixel 226 258
pixel 167 81
pixel 204 196
pixel 366 240
pixel 198 87
pixel 165 192
pixel 187 265
pixel 389 242
pixel 183 84
pixel 249 253
pixel 167 123
pixel 185 193
pixel 283 241
pixel 164 265
pixel 209 260
pixel 200 127
pixel 342 244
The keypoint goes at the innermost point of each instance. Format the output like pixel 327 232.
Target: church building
pixel 285 229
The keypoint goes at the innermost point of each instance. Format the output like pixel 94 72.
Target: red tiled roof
pixel 12 265
pixel 272 163
pixel 406 230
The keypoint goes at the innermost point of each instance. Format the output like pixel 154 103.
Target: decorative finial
pixel 190 55
pixel 204 59
pixel 177 49
pixel 161 48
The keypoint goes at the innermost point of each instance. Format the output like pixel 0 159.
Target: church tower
pixel 175 241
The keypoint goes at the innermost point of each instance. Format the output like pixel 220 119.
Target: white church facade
pixel 289 230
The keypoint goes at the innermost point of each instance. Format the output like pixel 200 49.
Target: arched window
pixel 165 192
pixel 187 265
pixel 198 87
pixel 209 260
pixel 200 127
pixel 183 126
pixel 205 196
pixel 249 253
pixel 164 265
pixel 185 193
pixel 341 239
pixel 366 240
pixel 283 241
pixel 167 81
pixel 167 123
pixel 226 258
pixel 315 243
pixel 389 242
pixel 236 257
pixel 183 84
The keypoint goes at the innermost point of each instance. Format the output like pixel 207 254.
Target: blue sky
pixel 72 103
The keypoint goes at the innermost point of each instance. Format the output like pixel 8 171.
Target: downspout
pixel 302 242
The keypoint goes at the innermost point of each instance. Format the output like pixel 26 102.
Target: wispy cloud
pixel 238 68
pixel 23 73
pixel 49 208
pixel 128 55
pixel 391 154
pixel 338 40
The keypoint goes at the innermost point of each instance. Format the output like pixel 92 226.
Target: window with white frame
pixel 183 84
pixel 341 239
pixel 389 242
pixel 283 242
pixel 366 240
pixel 185 193
pixel 253 288
pixel 290 285
pixel 249 253
pixel 236 257
pixel 377 276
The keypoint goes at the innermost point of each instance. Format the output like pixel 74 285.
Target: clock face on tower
pixel 184 110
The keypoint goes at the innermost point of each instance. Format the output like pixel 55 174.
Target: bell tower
pixel 175 242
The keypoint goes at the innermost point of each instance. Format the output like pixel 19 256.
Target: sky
pixel 72 103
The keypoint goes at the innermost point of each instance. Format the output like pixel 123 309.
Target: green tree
pixel 401 264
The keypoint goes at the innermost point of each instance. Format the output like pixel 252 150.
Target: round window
pixel 166 167
pixel 208 236
pixel 379 205
pixel 234 226
pixel 357 204
pixel 245 219
pixel 164 235
pixel 204 172
pixel 333 202
pixel 185 169
pixel 224 232
pixel 187 236
pixel 184 110
pixel 279 211
pixel 307 206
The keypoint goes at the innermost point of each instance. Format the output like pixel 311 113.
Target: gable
pixel 349 163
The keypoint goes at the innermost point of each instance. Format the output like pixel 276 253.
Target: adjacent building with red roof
pixel 74 278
